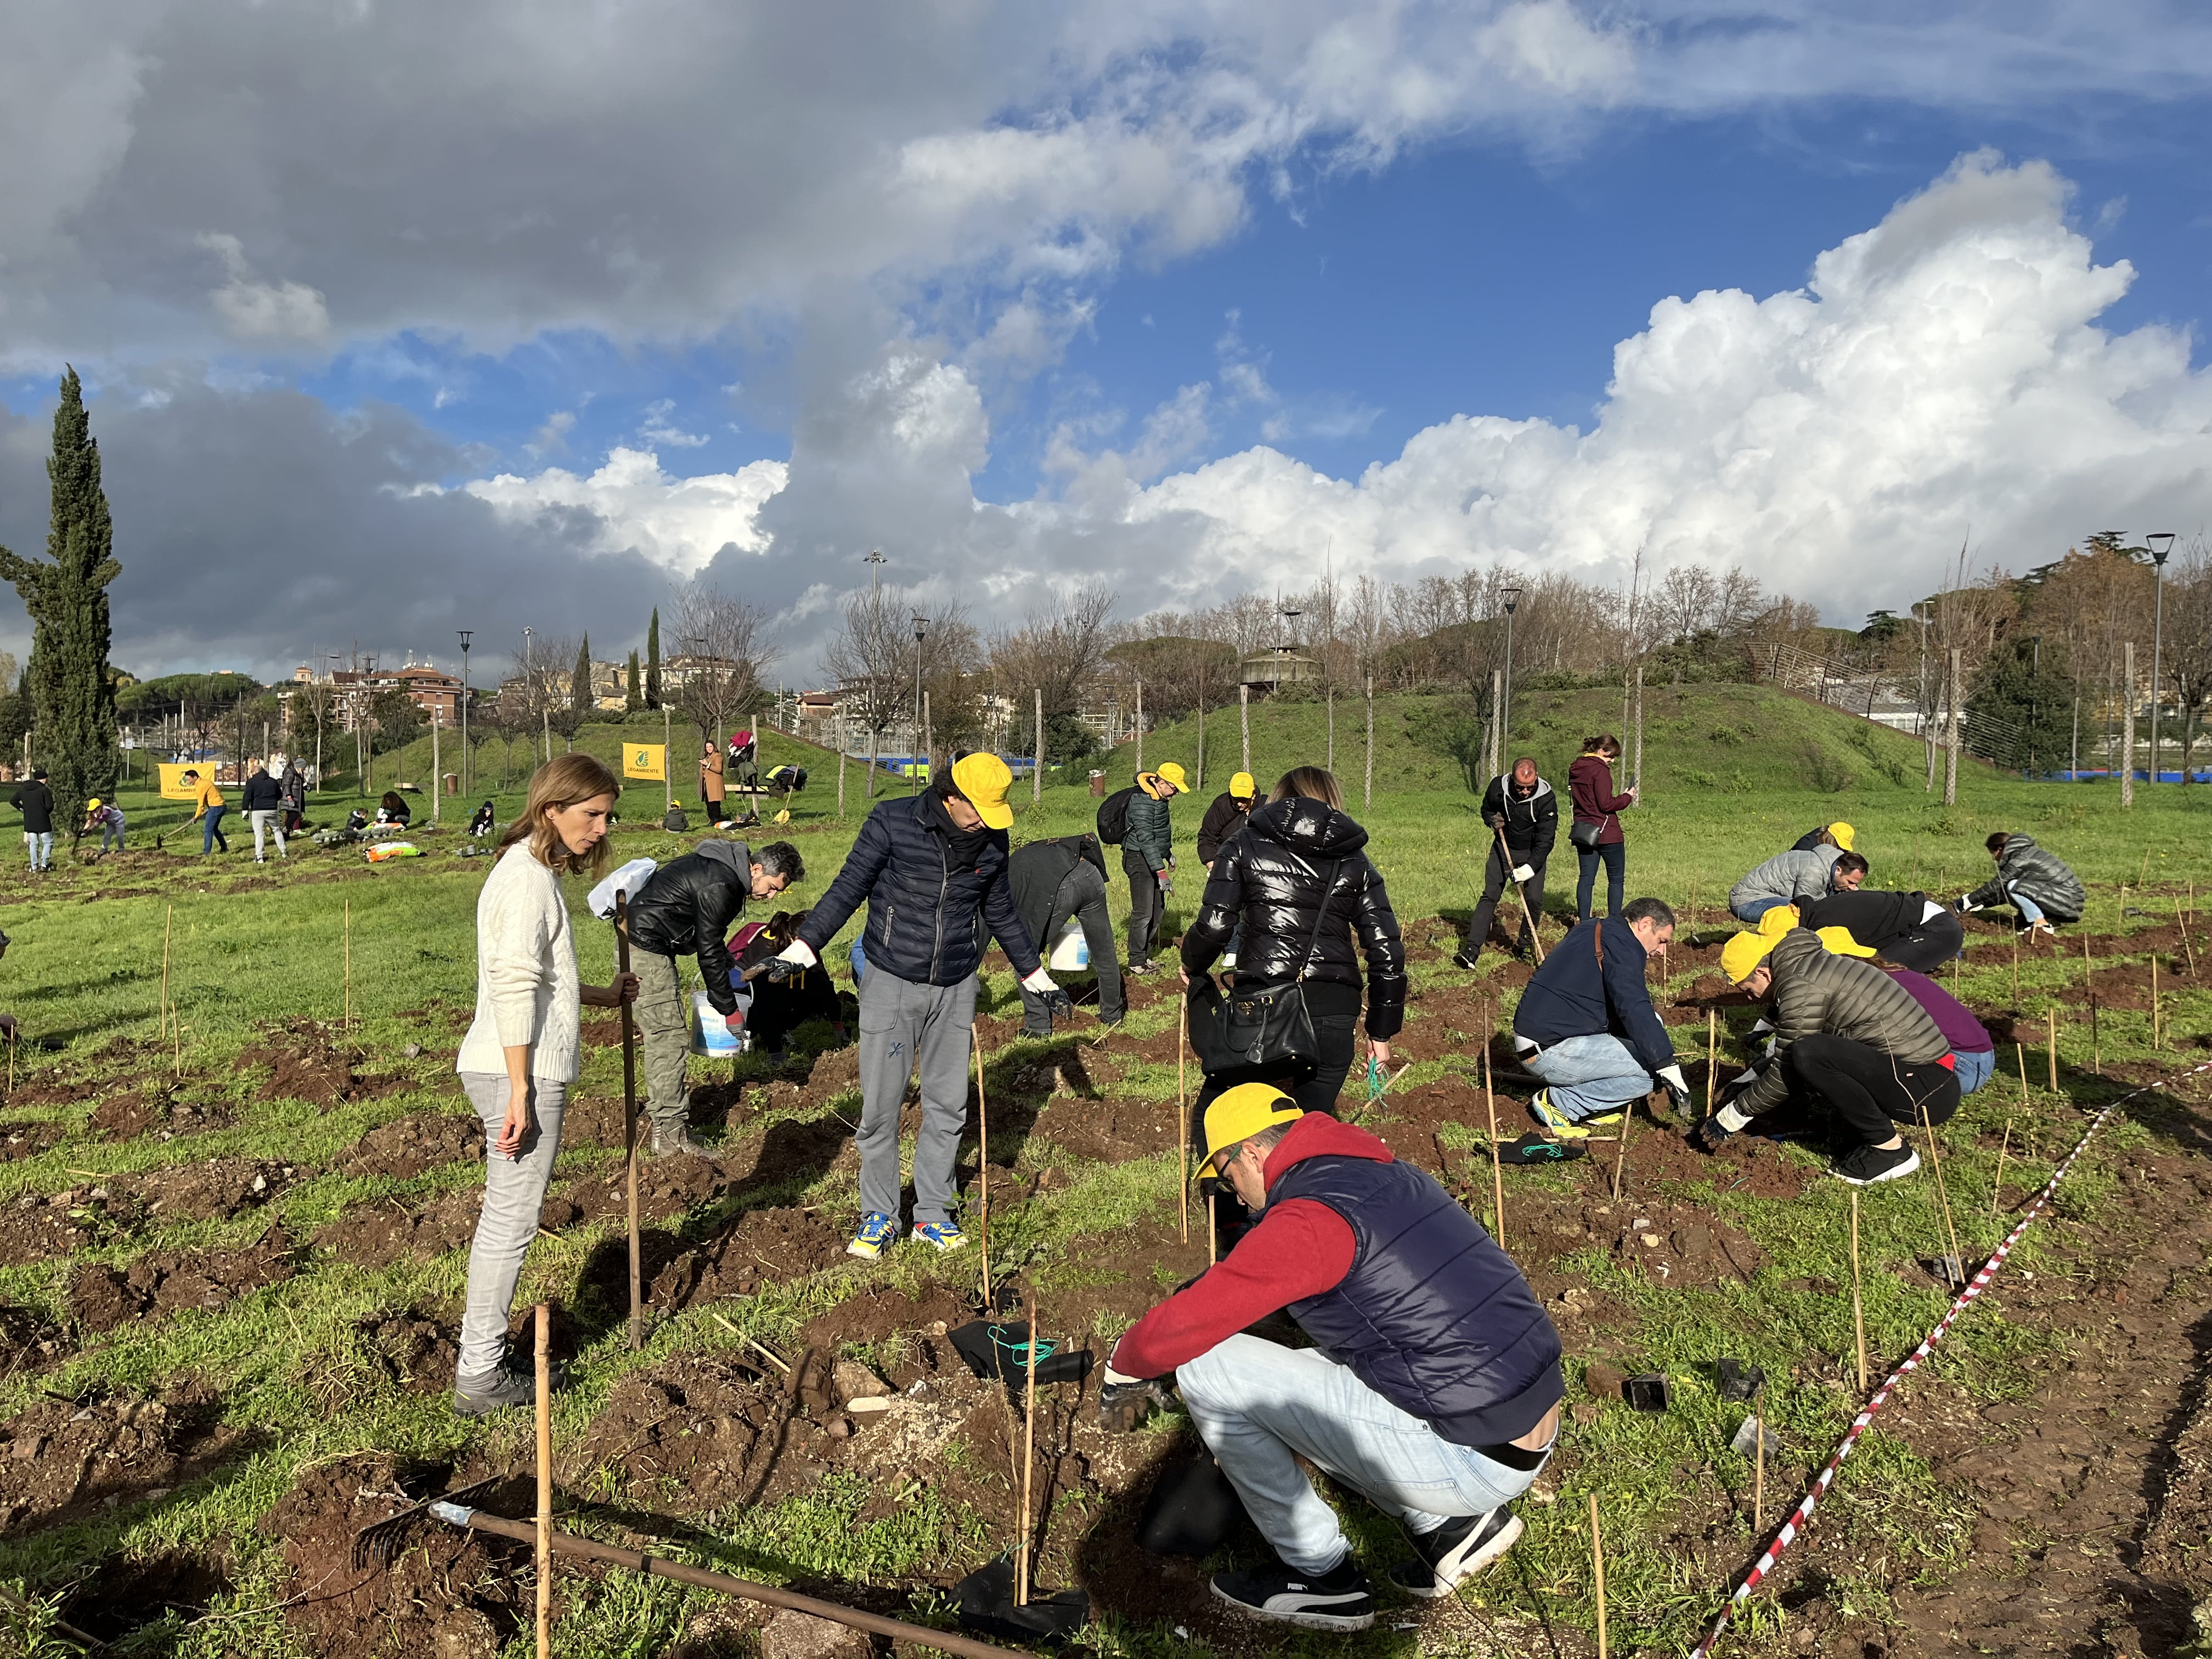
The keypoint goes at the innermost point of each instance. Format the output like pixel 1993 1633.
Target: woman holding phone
pixel 1595 830
pixel 522 1053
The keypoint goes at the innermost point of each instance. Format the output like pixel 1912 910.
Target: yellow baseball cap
pixel 1778 921
pixel 1172 772
pixel 1841 942
pixel 93 805
pixel 1740 956
pixel 1240 1113
pixel 1242 787
pixel 983 780
pixel 1843 833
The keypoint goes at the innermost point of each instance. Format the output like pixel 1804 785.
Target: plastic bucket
pixel 710 1032
pixel 1071 950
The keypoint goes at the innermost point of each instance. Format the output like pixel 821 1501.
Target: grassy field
pixel 264 962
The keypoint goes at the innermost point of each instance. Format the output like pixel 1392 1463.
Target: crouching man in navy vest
pixel 1432 1387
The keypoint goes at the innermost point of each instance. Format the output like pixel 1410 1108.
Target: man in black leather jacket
pixel 686 908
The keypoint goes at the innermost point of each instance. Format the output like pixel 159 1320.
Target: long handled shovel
pixel 629 1126
pixel 1527 916
pixel 983 1162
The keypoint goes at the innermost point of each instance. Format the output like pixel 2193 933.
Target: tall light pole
pixel 464 633
pixel 2160 544
pixel 1511 596
pixel 913 771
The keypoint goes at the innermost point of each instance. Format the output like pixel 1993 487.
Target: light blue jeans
pixel 1591 1075
pixel 2030 911
pixel 514 1198
pixel 1753 909
pixel 1973 1070
pixel 1260 1406
pixel 42 849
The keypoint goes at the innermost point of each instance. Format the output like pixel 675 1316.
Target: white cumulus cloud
pixel 678 523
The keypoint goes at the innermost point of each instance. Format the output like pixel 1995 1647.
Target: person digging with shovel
pixel 1433 1386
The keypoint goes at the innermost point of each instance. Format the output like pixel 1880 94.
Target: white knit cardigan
pixel 526 987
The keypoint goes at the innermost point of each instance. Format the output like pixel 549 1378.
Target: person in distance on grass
pixel 483 820
pixel 293 788
pixel 35 801
pixel 1520 805
pixel 710 783
pixel 1911 929
pixel 673 820
pixel 106 817
pixel 1224 816
pixel 1053 880
pixel 1847 1037
pixel 1585 1024
pixel 2034 880
pixel 1147 856
pixel 262 800
pixel 208 800
pixel 1433 1386
pixel 931 868
pixel 521 1055
pixel 1793 877
pixel 1825 835
pixel 393 809
pixel 1589 787
pixel 686 908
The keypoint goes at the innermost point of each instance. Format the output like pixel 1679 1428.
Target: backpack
pixel 1114 815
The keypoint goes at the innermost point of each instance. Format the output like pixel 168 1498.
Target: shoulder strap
pixel 1313 940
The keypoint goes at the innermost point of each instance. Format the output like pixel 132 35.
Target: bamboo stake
pixel 2088 968
pixel 1858 1307
pixel 167 917
pixel 983 1161
pixel 2142 874
pixel 2016 970
pixel 2096 1042
pixel 544 1482
pixel 1713 1053
pixel 1597 1571
pixel 2154 999
pixel 629 1128
pixel 1621 1154
pixel 2051 1017
pixel 1029 1450
pixel 2181 921
pixel 1182 1116
pixel 1759 1472
pixel 349 964
pixel 1936 1157
pixel 1497 1168
pixel 1996 1188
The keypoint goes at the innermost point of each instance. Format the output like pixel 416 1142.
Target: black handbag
pixel 1584 834
pixel 1259 1031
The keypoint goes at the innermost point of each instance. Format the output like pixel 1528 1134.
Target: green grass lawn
pixel 1734 774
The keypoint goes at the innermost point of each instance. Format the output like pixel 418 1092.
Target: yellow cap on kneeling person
pixel 1740 956
pixel 1240 1113
pixel 1243 786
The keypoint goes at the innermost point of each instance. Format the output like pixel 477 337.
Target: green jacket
pixel 2040 873
pixel 1150 837
pixel 1817 994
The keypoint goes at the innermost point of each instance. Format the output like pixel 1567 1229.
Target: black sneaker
pixel 1455 1551
pixel 1461 959
pixel 1339 1598
pixel 1862 1166
pixel 1138 968
pixel 477 1396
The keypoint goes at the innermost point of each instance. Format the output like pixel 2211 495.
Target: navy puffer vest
pixel 1434 1316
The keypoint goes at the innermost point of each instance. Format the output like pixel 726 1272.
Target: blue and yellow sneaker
pixel 944 1235
pixel 1558 1123
pixel 877 1231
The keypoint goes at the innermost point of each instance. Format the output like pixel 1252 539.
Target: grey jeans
pixel 271 823
pixel 902 1023
pixel 664 1032
pixel 514 1195
pixel 1082 894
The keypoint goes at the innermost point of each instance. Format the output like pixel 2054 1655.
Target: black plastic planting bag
pixel 1193 1508
pixel 984 1602
pixel 993 1349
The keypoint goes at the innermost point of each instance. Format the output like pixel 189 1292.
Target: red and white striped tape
pixel 1795 1526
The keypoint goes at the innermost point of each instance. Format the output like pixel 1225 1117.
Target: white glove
pixel 1523 871
pixel 1732 1119
pixel 1042 982
pixel 1115 1379
pixel 1677 1084
pixel 1760 1027
pixel 800 953
pixel 1966 904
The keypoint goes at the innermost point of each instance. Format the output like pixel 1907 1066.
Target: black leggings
pixel 1869 1092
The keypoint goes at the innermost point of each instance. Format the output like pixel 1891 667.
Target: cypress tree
pixel 579 679
pixel 653 661
pixel 71 690
pixel 634 698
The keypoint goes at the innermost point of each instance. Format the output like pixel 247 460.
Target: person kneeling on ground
pixel 782 1007
pixel 1520 807
pixel 1793 877
pixel 685 908
pixel 484 820
pixel 1053 880
pixel 1587 1027
pixel 1846 1036
pixel 1433 1386
pixel 1973 1051
pixel 2034 880
pixel 1911 929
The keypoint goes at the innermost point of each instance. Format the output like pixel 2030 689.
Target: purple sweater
pixel 1952 1017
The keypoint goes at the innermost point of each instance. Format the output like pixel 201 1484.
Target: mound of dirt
pixel 135 1114
pixel 666 1188
pixel 413 1349
pixel 407 1147
pixel 306 1063
pixel 1111 1131
pixel 21 1140
pixel 836 1073
pixel 453 1595
pixel 764 1244
pixel 102 1298
pixel 717 1427
pixel 29 1340
pixel 38 1227
pixel 211 1191
pixel 377 1234
pixel 65 1457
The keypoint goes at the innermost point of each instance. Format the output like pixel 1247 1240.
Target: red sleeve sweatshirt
pixel 1300 1248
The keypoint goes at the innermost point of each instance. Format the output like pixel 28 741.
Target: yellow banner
pixel 640 760
pixel 173 786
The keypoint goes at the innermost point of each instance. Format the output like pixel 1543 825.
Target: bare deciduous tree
pixel 727 656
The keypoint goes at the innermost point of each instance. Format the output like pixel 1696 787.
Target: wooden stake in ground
pixel 1759 1474
pixel 2096 1042
pixel 2088 968
pixel 167 917
pixel 2154 999
pixel 349 964
pixel 2016 970
pixel 2181 921
pixel 1713 1053
pixel 1858 1303
pixel 1497 1168
pixel 1183 1117
pixel 544 1482
pixel 1597 1572
pixel 1620 1153
pixel 1029 1452
pixel 2051 1015
pixel 983 1161
pixel 629 1126
pixel 1944 1197
pixel 1996 1187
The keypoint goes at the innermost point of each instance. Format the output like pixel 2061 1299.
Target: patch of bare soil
pixel 763 1245
pixel 41 1227
pixel 408 1146
pixel 307 1062
pixel 416 1350
pixel 211 1191
pixel 447 1595
pixel 386 1230
pixel 726 1430
pixel 21 1140
pixel 666 1188
pixel 65 1457
pixel 125 1594
pixel 102 1298
pixel 29 1341
pixel 135 1114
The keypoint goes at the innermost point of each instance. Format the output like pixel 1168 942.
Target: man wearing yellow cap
pixel 1847 1037
pixel 931 869
pixel 1226 817
pixel 1827 835
pixel 1433 1385
pixel 1147 855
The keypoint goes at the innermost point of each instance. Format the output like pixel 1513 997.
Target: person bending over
pixel 1053 880
pixel 1586 1026
pixel 1432 1387
pixel 2034 880
pixel 1911 929
pixel 1825 835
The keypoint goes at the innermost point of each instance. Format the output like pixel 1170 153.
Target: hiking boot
pixel 1339 1598
pixel 668 1142
pixel 1139 969
pixel 944 1235
pixel 1457 1550
pixel 476 1396
pixel 1862 1166
pixel 878 1232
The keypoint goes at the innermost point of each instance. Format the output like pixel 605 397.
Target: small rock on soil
pixel 211 1191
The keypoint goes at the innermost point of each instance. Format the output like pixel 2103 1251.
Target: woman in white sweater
pixel 522 1053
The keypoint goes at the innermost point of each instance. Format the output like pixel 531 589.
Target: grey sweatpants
pixel 514 1196
pixel 902 1021
pixel 664 1030
pixel 266 824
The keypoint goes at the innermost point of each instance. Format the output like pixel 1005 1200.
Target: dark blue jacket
pixel 1434 1316
pixel 928 916
pixel 1572 995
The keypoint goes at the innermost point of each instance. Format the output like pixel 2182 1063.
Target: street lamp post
pixel 1511 596
pixel 2160 544
pixel 464 633
pixel 913 769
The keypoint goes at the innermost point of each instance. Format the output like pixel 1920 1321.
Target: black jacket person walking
pixel 1520 807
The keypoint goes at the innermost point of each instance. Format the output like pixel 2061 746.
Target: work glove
pixel 1967 905
pixel 1711 1135
pixel 794 959
pixel 1124 1402
pixel 1524 871
pixel 1057 1002
pixel 1678 1086
pixel 736 1020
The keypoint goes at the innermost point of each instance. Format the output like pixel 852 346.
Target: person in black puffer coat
pixel 1309 904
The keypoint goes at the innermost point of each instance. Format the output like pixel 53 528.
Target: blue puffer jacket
pixel 1434 1316
pixel 929 918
